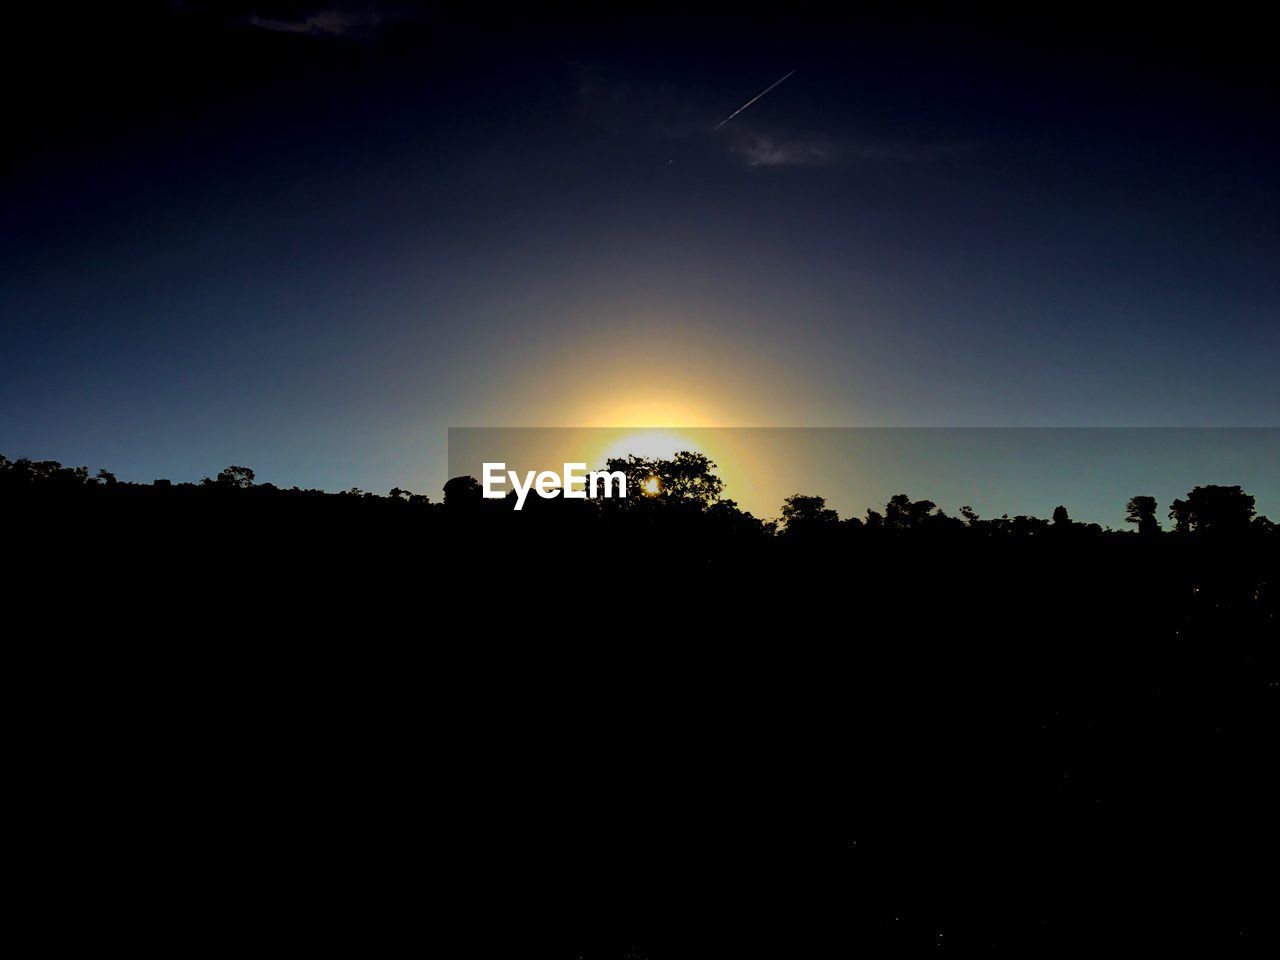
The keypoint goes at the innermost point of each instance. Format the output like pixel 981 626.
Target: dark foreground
pixel 244 722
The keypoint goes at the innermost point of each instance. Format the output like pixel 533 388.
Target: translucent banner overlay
pixel 1091 471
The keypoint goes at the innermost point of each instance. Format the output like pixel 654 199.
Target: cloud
pixel 762 150
pixel 331 21
pixel 759 149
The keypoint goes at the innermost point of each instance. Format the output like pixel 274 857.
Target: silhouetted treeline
pixel 683 489
pixel 1010 728
pixel 674 532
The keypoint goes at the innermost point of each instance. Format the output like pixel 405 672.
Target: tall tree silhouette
pixel 1141 510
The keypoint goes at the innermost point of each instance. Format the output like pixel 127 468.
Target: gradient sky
pixel 310 238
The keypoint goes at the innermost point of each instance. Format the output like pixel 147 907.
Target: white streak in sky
pixel 749 103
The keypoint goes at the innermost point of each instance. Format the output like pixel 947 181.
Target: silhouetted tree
pixel 1213 509
pixel 1019 526
pixel 805 514
pixel 462 492
pixel 238 477
pixel 902 513
pixel 732 519
pixel 43 473
pixel 1060 516
pixel 688 479
pixel 1141 510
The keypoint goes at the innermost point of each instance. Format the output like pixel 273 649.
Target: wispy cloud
pixel 331 21
pixel 762 150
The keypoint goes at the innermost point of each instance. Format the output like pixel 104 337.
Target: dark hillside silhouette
pixel 968 722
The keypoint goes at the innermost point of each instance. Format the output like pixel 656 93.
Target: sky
pixel 311 238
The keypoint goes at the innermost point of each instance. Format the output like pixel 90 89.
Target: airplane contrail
pixel 749 103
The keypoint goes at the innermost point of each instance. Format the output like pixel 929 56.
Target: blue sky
pixel 311 239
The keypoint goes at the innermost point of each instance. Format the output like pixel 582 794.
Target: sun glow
pixel 651 487
pixel 664 411
pixel 650 444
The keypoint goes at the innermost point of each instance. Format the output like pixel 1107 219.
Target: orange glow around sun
pixel 655 444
